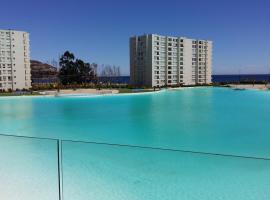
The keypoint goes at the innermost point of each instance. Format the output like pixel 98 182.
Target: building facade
pixel 15 73
pixel 157 60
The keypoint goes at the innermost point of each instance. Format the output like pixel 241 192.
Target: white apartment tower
pixel 157 60
pixel 14 60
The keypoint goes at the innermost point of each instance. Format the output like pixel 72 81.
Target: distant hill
pixel 43 73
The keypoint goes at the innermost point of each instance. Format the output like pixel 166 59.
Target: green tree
pixel 75 70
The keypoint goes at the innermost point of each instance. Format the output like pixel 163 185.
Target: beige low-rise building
pixel 157 60
pixel 14 60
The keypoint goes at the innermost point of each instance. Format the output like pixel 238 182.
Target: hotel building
pixel 157 60
pixel 14 60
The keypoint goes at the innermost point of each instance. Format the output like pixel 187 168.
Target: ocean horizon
pixel 220 78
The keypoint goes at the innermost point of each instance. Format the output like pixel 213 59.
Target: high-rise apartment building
pixel 157 60
pixel 14 60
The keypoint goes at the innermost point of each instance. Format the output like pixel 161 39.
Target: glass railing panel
pixel 28 169
pixel 111 172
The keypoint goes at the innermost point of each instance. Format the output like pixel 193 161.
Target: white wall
pixel 19 59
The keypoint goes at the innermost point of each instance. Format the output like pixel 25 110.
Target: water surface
pixel 218 120
pixel 211 120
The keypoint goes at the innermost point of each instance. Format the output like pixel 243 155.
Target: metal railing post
pixel 59 164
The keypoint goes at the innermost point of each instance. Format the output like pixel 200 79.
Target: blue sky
pixel 98 30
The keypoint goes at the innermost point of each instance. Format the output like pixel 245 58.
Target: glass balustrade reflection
pixel 28 169
pixel 105 172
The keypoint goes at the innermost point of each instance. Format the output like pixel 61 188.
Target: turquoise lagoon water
pixel 113 173
pixel 211 120
pixel 217 120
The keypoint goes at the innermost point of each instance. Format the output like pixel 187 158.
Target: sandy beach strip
pixel 80 92
pixel 250 86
